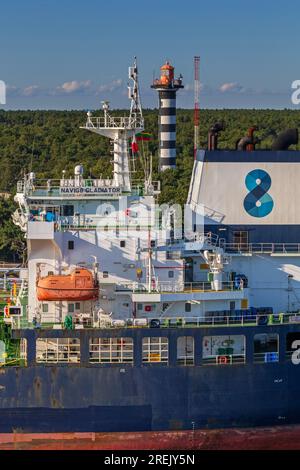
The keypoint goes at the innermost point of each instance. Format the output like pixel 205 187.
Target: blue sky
pixel 73 54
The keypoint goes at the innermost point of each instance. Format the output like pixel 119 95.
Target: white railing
pixel 205 238
pixel 206 321
pixel 261 247
pixel 227 359
pixel 85 183
pixel 56 187
pixel 171 287
pixel 9 266
pixel 155 186
pixel 125 122
pixel 51 184
pixel 206 211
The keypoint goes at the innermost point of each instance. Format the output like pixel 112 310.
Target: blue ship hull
pixel 118 398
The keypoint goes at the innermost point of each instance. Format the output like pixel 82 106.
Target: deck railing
pixel 224 360
pixel 271 248
pixel 171 287
pixel 173 322
pixel 123 122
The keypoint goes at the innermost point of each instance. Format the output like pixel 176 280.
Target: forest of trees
pixel 48 142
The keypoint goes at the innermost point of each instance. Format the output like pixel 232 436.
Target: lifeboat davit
pixel 77 286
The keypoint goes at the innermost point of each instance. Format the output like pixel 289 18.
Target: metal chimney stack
pixel 167 87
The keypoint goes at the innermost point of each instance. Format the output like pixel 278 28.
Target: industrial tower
pixel 167 87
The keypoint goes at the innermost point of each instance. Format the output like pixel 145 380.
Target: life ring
pixel 222 360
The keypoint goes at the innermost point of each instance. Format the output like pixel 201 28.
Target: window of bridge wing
pixel 266 348
pixel 223 350
pixel 293 347
pixel 58 350
pixel 111 350
pixel 185 351
pixel 155 350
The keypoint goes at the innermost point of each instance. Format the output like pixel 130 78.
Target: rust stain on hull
pixel 279 438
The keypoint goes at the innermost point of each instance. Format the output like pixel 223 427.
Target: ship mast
pixel 120 130
pixel 134 94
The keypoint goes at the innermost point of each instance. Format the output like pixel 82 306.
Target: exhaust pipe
pixel 213 135
pixel 248 142
pixel 285 139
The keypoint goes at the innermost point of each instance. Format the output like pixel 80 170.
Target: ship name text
pixel 91 190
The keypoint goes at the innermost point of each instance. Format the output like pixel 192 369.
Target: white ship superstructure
pixel 113 230
pixel 250 203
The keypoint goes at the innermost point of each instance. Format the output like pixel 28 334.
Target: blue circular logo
pixel 258 203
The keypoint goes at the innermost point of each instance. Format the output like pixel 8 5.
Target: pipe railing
pixel 124 122
pixel 261 247
pixel 226 359
pixel 171 287
pixel 170 322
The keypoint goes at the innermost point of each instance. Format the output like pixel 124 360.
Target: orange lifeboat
pixel 77 286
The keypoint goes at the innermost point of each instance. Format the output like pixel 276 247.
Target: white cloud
pixel 109 87
pixel 190 88
pixel 231 87
pixel 31 90
pixel 74 86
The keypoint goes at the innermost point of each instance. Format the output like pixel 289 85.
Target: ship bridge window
pixel 71 308
pixel 111 350
pixel 188 307
pixel 23 351
pixel 266 348
pixel 45 308
pixel 155 350
pixel 67 210
pixel 58 350
pixel 173 255
pixel 240 240
pixel 185 351
pixel 293 347
pixel 224 350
